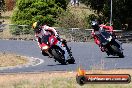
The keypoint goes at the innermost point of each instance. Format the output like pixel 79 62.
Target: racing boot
pixel 101 48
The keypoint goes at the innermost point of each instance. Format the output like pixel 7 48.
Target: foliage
pixel 62 3
pixel 29 11
pixel 121 9
pixel 96 5
pixel 2 4
pixel 70 20
pixel 9 4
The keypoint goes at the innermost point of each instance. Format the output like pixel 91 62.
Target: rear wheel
pixel 59 56
pixel 121 55
pixel 116 49
pixel 71 61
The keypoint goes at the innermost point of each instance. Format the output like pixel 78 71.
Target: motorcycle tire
pixel 71 61
pixel 117 51
pixel 121 55
pixel 59 56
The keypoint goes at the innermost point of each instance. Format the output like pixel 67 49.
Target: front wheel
pixel 59 56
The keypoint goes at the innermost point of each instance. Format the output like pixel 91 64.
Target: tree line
pixel 122 12
pixel 28 11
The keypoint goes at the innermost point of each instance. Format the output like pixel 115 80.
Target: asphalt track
pixel 87 55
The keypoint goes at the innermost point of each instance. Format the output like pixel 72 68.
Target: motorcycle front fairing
pixel 104 37
pixel 45 39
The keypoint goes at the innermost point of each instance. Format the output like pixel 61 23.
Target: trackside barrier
pixel 84 35
pixel 2 27
pixel 23 32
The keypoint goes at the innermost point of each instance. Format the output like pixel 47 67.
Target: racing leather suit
pixel 46 30
pixel 96 40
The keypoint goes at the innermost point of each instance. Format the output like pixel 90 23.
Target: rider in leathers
pixel 41 33
pixel 97 27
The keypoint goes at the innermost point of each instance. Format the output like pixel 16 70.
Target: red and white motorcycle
pixel 58 49
pixel 111 45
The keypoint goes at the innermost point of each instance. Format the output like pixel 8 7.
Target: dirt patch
pixel 7 60
pixel 6 17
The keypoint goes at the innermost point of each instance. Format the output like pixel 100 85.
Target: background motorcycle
pixel 111 45
pixel 51 48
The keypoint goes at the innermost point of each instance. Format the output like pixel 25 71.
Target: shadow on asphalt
pixel 54 65
pixel 113 57
pixel 59 64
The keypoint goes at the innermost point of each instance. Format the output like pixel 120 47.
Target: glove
pixel 58 37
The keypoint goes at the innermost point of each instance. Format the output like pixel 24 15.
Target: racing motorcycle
pixel 51 48
pixel 110 44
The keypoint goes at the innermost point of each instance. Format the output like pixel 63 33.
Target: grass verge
pixel 7 60
pixel 56 80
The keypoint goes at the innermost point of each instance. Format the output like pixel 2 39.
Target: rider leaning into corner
pixel 41 33
pixel 96 25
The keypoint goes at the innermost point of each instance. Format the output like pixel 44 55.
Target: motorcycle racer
pixel 42 33
pixel 96 27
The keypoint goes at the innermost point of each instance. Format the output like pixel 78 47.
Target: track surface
pixel 87 55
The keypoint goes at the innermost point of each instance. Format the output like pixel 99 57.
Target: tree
pixel 9 4
pixel 121 9
pixel 62 3
pixel 2 3
pixel 29 11
pixel 96 5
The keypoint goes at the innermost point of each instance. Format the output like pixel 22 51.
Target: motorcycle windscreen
pixel 45 39
pixel 103 36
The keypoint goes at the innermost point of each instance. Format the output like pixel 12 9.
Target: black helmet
pixel 95 25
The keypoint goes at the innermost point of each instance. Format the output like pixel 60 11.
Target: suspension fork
pixel 68 50
pixel 50 55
